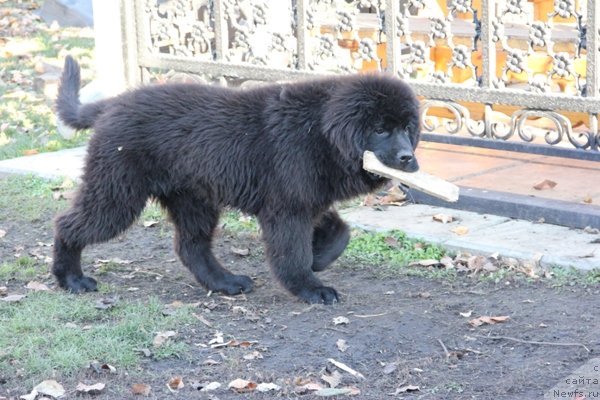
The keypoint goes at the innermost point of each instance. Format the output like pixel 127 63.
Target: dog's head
pixel 376 113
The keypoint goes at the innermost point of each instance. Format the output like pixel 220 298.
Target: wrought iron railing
pixel 508 74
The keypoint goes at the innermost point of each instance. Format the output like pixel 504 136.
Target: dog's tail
pixel 70 110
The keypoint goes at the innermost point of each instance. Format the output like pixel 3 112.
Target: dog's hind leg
pixel 105 206
pixel 288 238
pixel 330 238
pixel 195 220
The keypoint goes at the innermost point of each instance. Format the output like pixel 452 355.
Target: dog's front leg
pixel 288 241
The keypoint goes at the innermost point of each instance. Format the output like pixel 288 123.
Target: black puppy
pixel 284 153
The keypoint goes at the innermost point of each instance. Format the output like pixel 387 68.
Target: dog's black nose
pixel 404 157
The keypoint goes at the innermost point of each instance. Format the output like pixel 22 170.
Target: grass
pixel 49 331
pixel 28 198
pixel 28 120
pixel 23 268
pixel 392 249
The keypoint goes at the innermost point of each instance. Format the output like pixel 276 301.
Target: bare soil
pixel 402 330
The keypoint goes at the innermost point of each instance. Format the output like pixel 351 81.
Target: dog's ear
pixel 346 128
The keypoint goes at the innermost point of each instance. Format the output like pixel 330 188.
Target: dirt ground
pixel 400 332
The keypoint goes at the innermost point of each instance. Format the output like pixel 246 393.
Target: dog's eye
pixel 380 131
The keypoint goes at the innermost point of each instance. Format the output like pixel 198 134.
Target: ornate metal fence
pixel 520 75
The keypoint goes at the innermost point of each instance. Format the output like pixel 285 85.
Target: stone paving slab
pixel 488 234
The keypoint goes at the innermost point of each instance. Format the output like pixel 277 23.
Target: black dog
pixel 283 152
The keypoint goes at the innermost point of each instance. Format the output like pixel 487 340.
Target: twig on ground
pixel 512 339
pixel 370 315
pixel 445 349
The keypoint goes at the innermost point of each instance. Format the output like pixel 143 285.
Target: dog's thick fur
pixel 282 152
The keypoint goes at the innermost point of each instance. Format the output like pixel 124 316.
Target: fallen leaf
pixel 68 195
pixel 443 218
pixel 447 262
pixel 253 356
pixel 90 389
pixel 341 320
pixel 476 263
pixel 328 392
pixel 460 230
pixel 587 199
pixel 149 223
pixel 30 396
pixel 267 387
pixel 145 352
pixel 175 384
pixel 37 286
pixel 346 368
pixel 13 298
pixel 240 252
pixel 210 361
pixel 30 152
pixel 242 385
pixel 341 345
pixel 106 302
pixel 466 314
pixel 3 290
pixel 425 263
pixel 211 386
pixel 50 388
pixel 389 368
pixel 141 389
pixel 545 184
pixel 161 338
pixel 333 379
pixel 2 233
pixel 108 368
pixel 488 320
pixel 406 389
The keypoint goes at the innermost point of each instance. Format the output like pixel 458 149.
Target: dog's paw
pixel 233 284
pixel 79 284
pixel 319 295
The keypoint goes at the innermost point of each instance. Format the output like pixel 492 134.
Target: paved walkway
pixel 485 169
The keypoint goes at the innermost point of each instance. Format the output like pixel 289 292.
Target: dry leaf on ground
pixel 253 356
pixel 389 368
pixel 488 320
pixel 90 389
pixel 406 389
pixel 267 387
pixel 149 223
pixel 242 385
pixel 141 389
pixel 2 233
pixel 341 320
pixel 37 286
pixel 211 386
pixel 341 345
pixel 13 298
pixel 466 314
pixel 333 379
pixel 460 230
pixel 545 184
pixel 50 388
pixel 175 384
pixel 106 302
pixel 161 338
pixel 443 218
pixel 240 252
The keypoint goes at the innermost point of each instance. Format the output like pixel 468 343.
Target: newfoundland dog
pixel 282 152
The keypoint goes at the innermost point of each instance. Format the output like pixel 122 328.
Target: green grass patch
pixel 235 221
pixel 63 332
pixel 23 268
pixel 28 198
pixel 394 249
